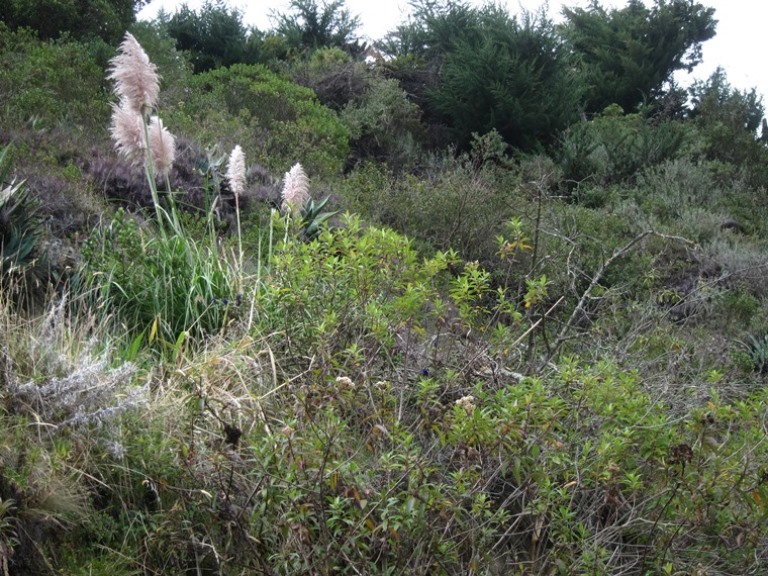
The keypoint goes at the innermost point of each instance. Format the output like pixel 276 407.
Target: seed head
pixel 163 146
pixel 127 131
pixel 136 78
pixel 295 188
pixel 236 171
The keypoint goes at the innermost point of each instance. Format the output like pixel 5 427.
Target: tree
pixel 728 121
pixel 488 71
pixel 627 55
pixel 213 37
pixel 310 26
pixel 81 19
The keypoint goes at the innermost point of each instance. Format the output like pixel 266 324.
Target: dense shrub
pixel 457 206
pixel 509 75
pixel 614 147
pixel 81 19
pixel 728 123
pixel 384 125
pixel 49 82
pixel 276 119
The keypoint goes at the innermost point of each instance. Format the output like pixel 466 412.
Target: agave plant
pixel 312 218
pixel 757 349
pixel 18 223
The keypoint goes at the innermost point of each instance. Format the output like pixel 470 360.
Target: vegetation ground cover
pixel 441 343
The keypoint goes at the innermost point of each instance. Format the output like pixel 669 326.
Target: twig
pixel 562 336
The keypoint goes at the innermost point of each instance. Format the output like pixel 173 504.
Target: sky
pixel 738 47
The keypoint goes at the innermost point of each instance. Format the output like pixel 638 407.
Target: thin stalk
pixel 148 169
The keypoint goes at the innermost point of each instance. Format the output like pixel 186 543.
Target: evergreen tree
pixel 479 69
pixel 81 19
pixel 214 36
pixel 628 54
pixel 731 124
pixel 311 25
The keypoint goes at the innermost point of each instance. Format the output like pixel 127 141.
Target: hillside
pixel 297 316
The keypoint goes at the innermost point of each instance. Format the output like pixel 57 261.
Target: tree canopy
pixel 486 70
pixel 310 25
pixel 626 55
pixel 214 36
pixel 81 19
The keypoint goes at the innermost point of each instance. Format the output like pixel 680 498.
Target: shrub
pixel 276 119
pixel 51 82
pixel 614 147
pixel 383 124
pixel 455 206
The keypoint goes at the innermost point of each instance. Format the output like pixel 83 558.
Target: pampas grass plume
pixel 295 188
pixel 136 78
pixel 162 145
pixel 236 171
pixel 127 131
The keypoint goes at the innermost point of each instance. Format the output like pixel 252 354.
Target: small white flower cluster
pixel 467 403
pixel 91 394
pixel 344 383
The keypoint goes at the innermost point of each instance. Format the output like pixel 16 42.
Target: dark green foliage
pixel 731 126
pixel 492 71
pixel 435 29
pixel 212 37
pixel 81 19
pixel 313 218
pixel 333 76
pixel 49 82
pixel 384 124
pixel 279 121
pixel 311 25
pixel 614 146
pixel 627 54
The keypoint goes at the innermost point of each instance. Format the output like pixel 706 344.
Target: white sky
pixel 738 47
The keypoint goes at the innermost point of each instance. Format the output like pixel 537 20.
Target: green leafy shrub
pixel 347 287
pixel 384 124
pixel 277 119
pixel 614 147
pixel 52 82
pixel 454 206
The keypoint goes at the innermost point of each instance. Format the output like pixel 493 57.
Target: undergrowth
pixel 574 387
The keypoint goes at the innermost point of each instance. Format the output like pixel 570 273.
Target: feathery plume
pixel 236 171
pixel 163 146
pixel 295 188
pixel 127 131
pixel 136 78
